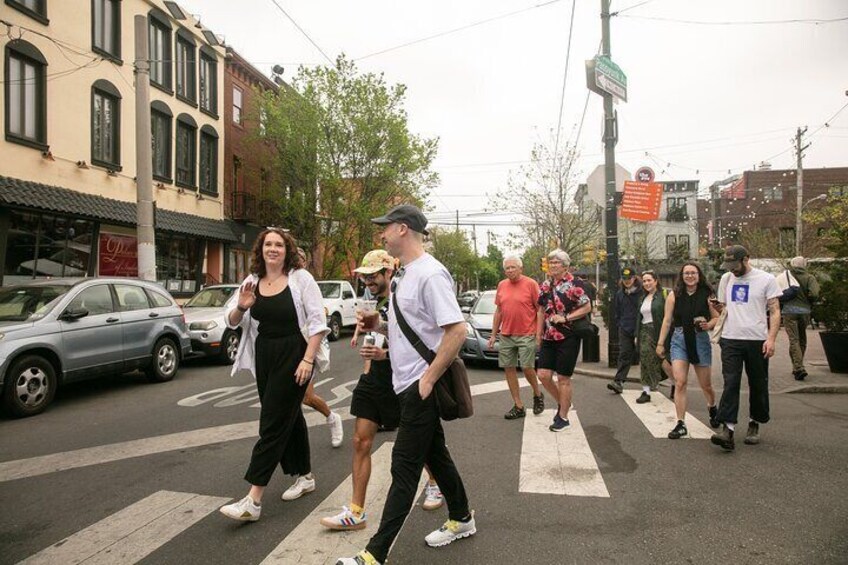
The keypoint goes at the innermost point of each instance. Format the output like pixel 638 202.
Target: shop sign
pixel 118 256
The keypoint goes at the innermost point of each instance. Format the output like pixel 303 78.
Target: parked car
pixel 339 305
pixel 467 298
pixel 57 331
pixel 204 315
pixel 478 325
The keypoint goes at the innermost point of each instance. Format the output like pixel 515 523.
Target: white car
pixel 339 305
pixel 204 315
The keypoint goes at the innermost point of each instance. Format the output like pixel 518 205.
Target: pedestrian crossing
pixel 659 416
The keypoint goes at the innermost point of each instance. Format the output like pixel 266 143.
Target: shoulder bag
pixel 715 333
pixel 581 327
pixel 452 391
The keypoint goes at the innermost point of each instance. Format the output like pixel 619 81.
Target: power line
pixel 737 23
pixel 564 77
pixel 631 7
pixel 456 30
pixel 301 30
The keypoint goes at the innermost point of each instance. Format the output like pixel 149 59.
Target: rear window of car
pixel 131 298
pixel 158 299
pixel 330 290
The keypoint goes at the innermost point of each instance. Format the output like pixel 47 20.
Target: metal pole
pixel 143 157
pixel 799 183
pixel 611 212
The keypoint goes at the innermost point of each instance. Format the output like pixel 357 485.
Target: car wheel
pixel 335 328
pixel 229 347
pixel 165 362
pixel 30 386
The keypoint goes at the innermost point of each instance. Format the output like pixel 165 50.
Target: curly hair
pixel 680 286
pixel 292 261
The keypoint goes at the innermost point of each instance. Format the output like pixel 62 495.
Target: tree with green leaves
pixel 453 249
pixel 346 154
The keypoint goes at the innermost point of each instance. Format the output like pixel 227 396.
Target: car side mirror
pixel 465 309
pixel 72 314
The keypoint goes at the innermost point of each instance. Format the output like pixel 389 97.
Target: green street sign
pixel 609 77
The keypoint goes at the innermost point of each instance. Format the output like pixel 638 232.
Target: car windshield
pixel 27 303
pixel 330 290
pixel 211 298
pixel 485 304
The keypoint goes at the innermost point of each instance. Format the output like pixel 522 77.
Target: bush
pixel 832 307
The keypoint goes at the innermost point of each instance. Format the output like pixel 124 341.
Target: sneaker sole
pixel 721 444
pixel 343 528
pixel 681 436
pixel 557 430
pixel 427 507
pixel 614 389
pixel 239 518
pixel 514 417
pixel 469 533
pixel 752 441
pixel 304 491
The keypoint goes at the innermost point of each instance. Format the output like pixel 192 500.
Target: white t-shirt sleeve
pixel 438 298
pixel 772 289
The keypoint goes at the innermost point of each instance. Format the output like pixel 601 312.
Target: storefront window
pixel 44 246
pixel 238 266
pixel 177 260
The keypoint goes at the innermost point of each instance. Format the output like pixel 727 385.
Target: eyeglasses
pixel 373 277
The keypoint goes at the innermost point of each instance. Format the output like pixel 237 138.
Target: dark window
pixel 105 125
pixel 106 27
pixel 26 100
pixel 96 299
pixel 208 83
pixel 185 69
pixel 160 138
pixel 208 161
pixel 670 245
pixel 186 161
pixel 131 298
pixel 177 259
pixel 36 9
pixel 772 194
pixel 237 104
pixel 236 174
pixel 787 240
pixel 159 48
pixel 683 243
pixel 158 299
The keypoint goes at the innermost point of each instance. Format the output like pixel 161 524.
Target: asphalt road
pixel 669 501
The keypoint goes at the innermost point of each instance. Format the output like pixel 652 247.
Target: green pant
pixel 796 330
pixel 650 364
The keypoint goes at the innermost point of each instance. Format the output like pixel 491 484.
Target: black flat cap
pixel 733 256
pixel 405 214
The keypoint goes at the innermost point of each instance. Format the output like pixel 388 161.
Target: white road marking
pixel 313 544
pixel 131 534
pixel 660 417
pixel 558 462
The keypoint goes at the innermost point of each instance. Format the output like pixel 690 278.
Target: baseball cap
pixel 405 214
pixel 733 256
pixel 374 262
pixel 626 273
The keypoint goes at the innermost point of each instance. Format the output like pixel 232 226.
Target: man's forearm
pixel 774 318
pixel 448 350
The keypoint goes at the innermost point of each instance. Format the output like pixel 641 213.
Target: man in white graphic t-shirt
pixel 753 320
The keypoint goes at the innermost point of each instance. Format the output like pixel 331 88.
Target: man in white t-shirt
pixel 423 290
pixel 750 329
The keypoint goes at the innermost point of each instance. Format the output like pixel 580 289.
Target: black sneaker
pixel 616 387
pixel 515 413
pixel 679 431
pixel 714 423
pixel 799 375
pixel 724 438
pixel 753 435
pixel 538 404
pixel 643 398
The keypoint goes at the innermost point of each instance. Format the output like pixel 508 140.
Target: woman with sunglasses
pixel 649 322
pixel 691 315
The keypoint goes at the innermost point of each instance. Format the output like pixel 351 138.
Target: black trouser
pixel 626 355
pixel 420 439
pixel 283 435
pixel 734 354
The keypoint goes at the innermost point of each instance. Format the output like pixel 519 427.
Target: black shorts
pixel 560 356
pixel 374 399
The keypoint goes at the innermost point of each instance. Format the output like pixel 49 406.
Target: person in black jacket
pixel 626 303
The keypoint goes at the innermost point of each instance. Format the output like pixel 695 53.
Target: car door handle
pixel 112 320
pixel 153 315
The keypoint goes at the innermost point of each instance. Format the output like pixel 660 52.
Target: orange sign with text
pixel 641 201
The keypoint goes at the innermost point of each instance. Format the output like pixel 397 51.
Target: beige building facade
pixel 68 155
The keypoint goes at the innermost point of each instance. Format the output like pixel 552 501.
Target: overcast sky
pixel 705 98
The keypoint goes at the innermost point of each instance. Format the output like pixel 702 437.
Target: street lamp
pixel 800 224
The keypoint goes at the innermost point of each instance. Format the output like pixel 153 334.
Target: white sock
pixel 331 417
pixel 731 427
pixel 646 389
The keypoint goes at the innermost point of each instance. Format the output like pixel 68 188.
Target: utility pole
pixel 611 212
pixel 145 214
pixel 474 237
pixel 799 180
pixel 713 213
pixel 457 221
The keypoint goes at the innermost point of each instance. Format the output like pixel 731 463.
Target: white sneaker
pixel 336 429
pixel 433 499
pixel 245 510
pixel 344 520
pixel 450 531
pixel 300 487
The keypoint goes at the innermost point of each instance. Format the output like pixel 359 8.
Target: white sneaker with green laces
pixel 364 557
pixel 433 499
pixel 344 520
pixel 450 531
pixel 245 510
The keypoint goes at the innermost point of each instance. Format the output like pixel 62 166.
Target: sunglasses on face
pixel 372 277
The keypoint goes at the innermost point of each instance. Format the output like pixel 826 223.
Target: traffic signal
pixel 544 265
pixel 588 255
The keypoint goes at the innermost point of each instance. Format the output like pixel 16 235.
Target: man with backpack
pixel 800 291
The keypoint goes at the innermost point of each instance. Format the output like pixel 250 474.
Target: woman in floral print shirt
pixel 561 301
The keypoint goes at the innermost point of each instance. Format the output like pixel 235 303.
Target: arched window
pixel 26 96
pixel 161 120
pixel 186 162
pixel 106 125
pixel 159 47
pixel 208 160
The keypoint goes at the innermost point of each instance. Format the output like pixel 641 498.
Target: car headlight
pixel 203 326
pixel 469 330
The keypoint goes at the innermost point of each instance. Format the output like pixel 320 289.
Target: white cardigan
pixel 310 317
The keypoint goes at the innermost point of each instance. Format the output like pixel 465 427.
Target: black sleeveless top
pixel 276 314
pixel 686 309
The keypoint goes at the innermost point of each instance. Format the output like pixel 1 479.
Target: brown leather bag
pixel 452 390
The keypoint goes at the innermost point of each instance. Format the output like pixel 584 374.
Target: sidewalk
pixel 820 379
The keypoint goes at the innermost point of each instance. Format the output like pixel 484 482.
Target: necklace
pixel 269 282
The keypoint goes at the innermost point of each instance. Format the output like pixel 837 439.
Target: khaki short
pixel 517 350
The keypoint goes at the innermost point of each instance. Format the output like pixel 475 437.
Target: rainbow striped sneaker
pixel 344 520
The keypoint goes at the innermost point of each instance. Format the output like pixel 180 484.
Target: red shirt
pixel 517 303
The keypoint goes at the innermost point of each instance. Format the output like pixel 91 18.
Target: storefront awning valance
pixel 17 192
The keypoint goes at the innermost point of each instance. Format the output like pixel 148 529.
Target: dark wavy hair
pixel 680 286
pixel 651 273
pixel 292 261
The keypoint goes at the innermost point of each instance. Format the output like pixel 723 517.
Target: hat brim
pixel 368 270
pixel 731 265
pixel 382 221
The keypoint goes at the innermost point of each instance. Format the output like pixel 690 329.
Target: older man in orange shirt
pixel 515 322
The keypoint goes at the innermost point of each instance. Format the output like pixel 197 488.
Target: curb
pixel 818 389
pixel 598 374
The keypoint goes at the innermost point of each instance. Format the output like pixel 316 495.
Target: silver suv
pixel 58 331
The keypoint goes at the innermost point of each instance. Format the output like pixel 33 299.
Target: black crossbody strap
pixel 410 334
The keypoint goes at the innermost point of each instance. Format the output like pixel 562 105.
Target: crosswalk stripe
pixel 131 534
pixel 558 463
pixel 313 544
pixel 659 416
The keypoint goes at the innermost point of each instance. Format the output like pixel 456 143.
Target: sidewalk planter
pixel 836 350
